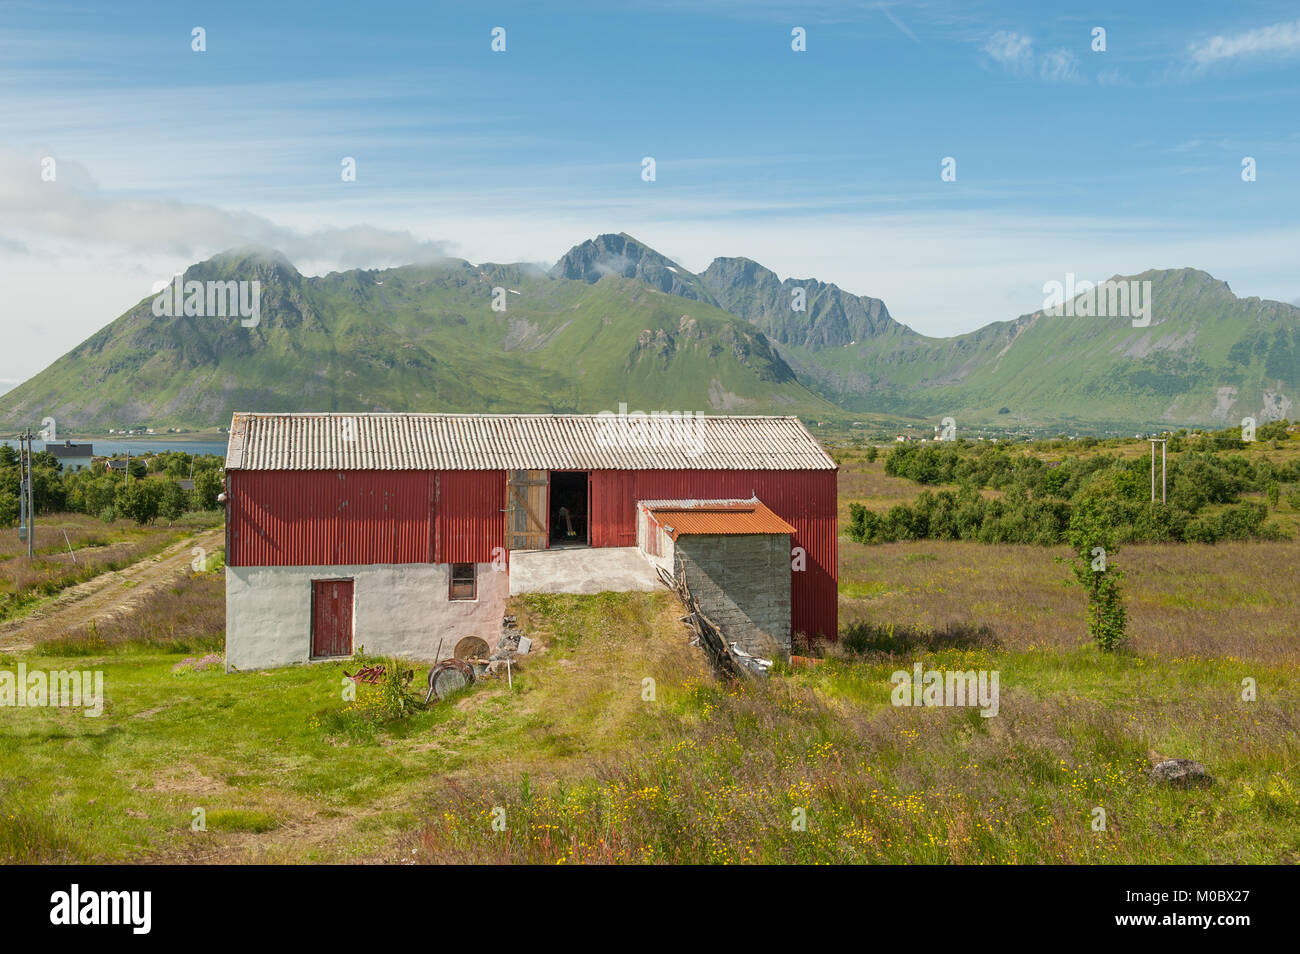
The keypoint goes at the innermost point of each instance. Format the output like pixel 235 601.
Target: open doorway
pixel 569 510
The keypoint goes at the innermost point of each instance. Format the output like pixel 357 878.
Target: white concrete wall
pixel 398 610
pixel 651 536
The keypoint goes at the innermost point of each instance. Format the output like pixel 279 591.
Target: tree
pixel 175 500
pixel 139 500
pixel 1093 539
pixel 207 485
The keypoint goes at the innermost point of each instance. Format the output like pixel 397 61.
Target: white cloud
pixel 73 209
pixel 1059 66
pixel 1280 39
pixel 1015 53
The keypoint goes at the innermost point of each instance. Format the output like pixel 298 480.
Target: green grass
pixel 260 751
pixel 877 783
pixel 586 769
pixel 99 548
pixel 615 744
pixel 240 819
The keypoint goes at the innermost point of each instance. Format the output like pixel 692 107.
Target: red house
pixel 398 531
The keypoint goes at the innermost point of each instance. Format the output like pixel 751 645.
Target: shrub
pixel 397 699
pixel 1093 540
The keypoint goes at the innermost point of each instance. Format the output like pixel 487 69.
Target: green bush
pixel 1093 539
pixel 1040 497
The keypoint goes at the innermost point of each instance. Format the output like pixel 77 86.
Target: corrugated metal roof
pixel 679 517
pixel 520 442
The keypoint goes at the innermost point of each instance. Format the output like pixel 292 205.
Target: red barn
pixel 396 531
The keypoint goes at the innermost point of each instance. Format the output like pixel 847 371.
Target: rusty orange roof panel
pixel 723 517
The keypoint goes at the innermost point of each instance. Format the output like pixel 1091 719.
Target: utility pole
pixel 27 499
pixel 1164 483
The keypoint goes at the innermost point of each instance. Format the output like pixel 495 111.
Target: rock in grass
pixel 1181 773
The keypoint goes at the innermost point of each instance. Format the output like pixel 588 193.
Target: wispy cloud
pixel 73 208
pixel 1280 39
pixel 1015 52
pixel 902 27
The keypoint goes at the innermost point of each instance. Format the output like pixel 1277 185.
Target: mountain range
pixel 614 321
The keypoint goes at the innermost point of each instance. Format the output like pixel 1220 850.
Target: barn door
pixel 526 512
pixel 331 618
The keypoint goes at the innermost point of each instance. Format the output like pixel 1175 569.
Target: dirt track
pixel 105 596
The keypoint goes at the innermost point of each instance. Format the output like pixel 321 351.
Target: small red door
pixel 331 618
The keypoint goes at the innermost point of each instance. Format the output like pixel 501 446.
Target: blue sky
pixel 822 163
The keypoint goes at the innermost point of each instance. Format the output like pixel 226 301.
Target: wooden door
pixel 331 618
pixel 526 527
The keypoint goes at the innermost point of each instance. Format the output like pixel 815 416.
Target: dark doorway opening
pixel 570 510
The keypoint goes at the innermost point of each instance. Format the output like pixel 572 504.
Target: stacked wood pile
pixel 707 634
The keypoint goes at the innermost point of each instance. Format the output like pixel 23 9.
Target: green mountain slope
pixel 412 338
pixel 1207 357
pixel 615 321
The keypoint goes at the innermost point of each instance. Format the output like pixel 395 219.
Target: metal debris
pixel 448 677
pixel 371 675
pixel 752 663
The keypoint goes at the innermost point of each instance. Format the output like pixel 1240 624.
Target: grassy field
pixel 582 760
pixel 71 548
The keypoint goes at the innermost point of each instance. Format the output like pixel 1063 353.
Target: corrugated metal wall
pixel 470 522
pixel 281 518
pixel 299 518
pixel 806 498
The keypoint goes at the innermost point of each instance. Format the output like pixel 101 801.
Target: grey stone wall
pixel 742 583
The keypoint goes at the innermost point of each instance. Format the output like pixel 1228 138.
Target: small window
pixel 464 584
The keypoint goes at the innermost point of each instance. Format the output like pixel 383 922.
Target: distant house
pixel 72 457
pixel 116 464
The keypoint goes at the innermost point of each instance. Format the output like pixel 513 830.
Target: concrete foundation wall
pixel 742 583
pixel 398 609
pixel 652 541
